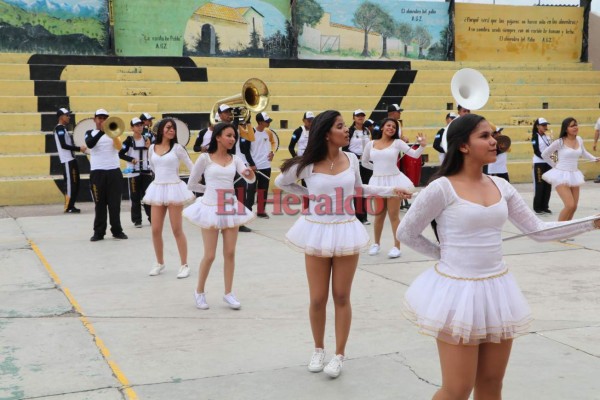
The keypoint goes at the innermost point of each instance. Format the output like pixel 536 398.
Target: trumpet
pixel 254 97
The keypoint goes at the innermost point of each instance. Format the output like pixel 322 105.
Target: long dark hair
pixel 316 148
pixel 218 131
pixel 458 134
pixel 395 121
pixel 161 128
pixel 534 129
pixel 565 124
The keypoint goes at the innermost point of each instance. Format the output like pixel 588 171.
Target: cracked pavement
pixel 83 320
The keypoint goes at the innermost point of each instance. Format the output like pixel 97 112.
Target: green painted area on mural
pixel 18 17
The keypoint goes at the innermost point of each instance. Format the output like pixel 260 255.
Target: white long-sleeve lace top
pixel 567 156
pixel 470 235
pixel 385 161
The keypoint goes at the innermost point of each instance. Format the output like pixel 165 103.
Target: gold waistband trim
pixel 470 279
pixel 330 223
pixel 397 173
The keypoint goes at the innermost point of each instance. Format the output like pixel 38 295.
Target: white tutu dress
pixel 329 228
pixel 167 188
pixel 469 296
pixel 384 163
pixel 218 208
pixel 565 172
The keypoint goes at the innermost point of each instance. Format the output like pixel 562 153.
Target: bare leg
pixel 158 220
pixel 177 228
pixel 342 276
pixel 210 237
pixel 379 220
pixel 491 366
pixel 459 369
pixel 570 205
pixel 229 242
pixel 393 209
pixel 318 272
pixel 575 193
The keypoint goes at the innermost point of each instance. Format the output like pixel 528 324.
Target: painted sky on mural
pixel 64 8
pixel 274 20
pixel 342 12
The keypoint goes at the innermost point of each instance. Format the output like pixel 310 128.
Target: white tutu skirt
pixel 167 194
pixel 324 239
pixel 216 217
pixel 557 177
pixel 398 180
pixel 467 311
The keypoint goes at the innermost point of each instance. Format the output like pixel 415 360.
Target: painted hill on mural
pixel 27 31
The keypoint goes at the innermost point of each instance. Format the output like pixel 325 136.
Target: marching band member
pixel 262 150
pixel 65 147
pixel 469 301
pixel 135 152
pixel 147 121
pixel 105 178
pixel 540 140
pixel 300 135
pixel 381 156
pixel 214 213
pixel 564 175
pixel 204 135
pixel 330 239
pixel 168 193
pixel 359 137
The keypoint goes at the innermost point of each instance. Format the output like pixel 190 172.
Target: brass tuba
pixel 254 97
pixel 114 127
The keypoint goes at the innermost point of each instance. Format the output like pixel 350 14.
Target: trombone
pixel 254 97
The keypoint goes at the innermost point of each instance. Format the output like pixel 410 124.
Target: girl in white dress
pixel 382 157
pixel 168 193
pixel 469 301
pixel 330 237
pixel 564 175
pixel 218 210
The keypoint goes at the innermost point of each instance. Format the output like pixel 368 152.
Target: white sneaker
pixel 184 272
pixel 156 269
pixel 201 300
pixel 232 301
pixel 334 368
pixel 394 253
pixel 374 250
pixel 317 361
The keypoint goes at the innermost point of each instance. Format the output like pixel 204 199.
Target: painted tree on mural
pixel 405 33
pixel 423 39
pixel 366 17
pixel 305 12
pixel 386 26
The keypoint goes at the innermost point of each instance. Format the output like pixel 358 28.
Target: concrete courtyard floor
pixel 83 320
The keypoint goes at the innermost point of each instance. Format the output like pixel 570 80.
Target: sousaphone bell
pixel 470 89
pixel 254 97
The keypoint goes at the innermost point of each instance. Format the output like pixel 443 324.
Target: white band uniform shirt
pixel 499 166
pixel 543 141
pixel 469 296
pixel 218 208
pixel 138 151
pixel 103 154
pixel 565 172
pixel 65 155
pixel 327 231
pixel 303 141
pixel 358 141
pixel 260 149
pixel 384 163
pixel 167 188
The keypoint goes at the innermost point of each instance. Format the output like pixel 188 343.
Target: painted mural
pixel 359 29
pixel 54 26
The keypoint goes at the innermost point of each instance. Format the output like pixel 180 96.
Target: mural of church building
pixel 214 27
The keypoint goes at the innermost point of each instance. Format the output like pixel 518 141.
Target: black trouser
pixel 107 189
pixel 360 203
pixel 137 189
pixel 262 187
pixel 241 188
pixel 71 175
pixel 543 189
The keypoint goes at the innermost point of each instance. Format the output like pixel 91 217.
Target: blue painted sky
pixel 274 20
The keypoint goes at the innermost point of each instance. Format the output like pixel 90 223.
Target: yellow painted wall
pixel 487 32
